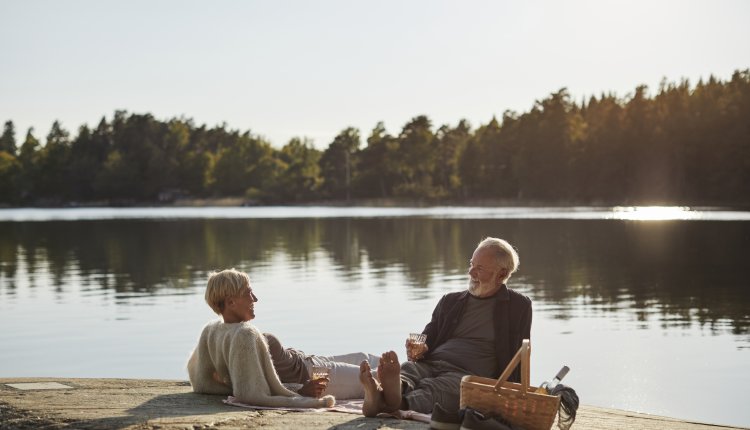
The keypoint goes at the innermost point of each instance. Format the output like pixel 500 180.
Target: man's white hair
pixel 506 256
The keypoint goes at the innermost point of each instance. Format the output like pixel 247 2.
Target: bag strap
pixel 522 357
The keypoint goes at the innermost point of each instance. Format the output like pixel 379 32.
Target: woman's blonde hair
pixel 223 285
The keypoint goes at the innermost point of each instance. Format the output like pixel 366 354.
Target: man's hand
pixel 314 388
pixel 415 351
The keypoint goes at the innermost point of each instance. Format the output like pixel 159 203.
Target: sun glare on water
pixel 654 213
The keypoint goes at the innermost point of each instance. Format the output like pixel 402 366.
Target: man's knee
pixel 408 366
pixel 409 375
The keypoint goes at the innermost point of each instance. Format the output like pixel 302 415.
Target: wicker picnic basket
pixel 517 403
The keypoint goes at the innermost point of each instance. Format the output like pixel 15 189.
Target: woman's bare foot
pixel 373 403
pixel 389 374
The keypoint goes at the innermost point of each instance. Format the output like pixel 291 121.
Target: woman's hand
pixel 314 388
pixel 218 379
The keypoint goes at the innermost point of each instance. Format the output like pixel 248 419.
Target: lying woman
pixel 233 357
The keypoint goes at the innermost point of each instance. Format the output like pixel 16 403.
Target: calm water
pixel 648 306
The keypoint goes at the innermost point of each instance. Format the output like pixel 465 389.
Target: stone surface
pixel 39 386
pixel 170 405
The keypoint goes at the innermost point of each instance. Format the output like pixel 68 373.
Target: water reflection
pixel 678 273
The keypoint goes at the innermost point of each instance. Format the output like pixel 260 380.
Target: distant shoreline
pixel 375 203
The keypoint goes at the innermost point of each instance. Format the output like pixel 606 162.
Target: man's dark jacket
pixel 512 320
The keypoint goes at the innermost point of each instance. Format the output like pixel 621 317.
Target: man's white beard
pixel 473 287
pixel 476 290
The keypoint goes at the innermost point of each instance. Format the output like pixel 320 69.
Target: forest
pixel 686 144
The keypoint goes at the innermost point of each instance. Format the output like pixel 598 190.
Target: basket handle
pixel 522 357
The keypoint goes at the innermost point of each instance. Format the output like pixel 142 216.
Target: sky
pixel 309 69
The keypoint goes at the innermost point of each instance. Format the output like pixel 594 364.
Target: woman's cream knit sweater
pixel 238 354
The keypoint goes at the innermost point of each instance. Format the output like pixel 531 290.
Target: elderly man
pixel 476 331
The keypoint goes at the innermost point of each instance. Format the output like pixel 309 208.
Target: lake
pixel 648 306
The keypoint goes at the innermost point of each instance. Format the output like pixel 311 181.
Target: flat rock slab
pixel 39 386
pixel 158 404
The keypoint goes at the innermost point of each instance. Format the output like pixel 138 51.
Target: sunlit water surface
pixel 648 306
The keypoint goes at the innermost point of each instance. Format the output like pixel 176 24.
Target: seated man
pixel 476 331
pixel 232 356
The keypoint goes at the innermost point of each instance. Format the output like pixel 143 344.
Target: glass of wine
pixel 415 345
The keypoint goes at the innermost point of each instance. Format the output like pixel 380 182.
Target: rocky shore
pixel 64 403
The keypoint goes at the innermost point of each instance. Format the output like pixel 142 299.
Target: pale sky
pixel 311 68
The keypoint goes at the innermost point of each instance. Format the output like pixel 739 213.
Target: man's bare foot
pixel 373 403
pixel 389 374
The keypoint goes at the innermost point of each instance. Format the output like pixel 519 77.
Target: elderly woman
pixel 233 357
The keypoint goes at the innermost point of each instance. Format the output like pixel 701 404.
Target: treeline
pixel 684 145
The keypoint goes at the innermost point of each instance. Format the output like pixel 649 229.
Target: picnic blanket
pixel 353 406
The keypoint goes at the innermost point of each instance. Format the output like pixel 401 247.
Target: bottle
pixel 547 386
